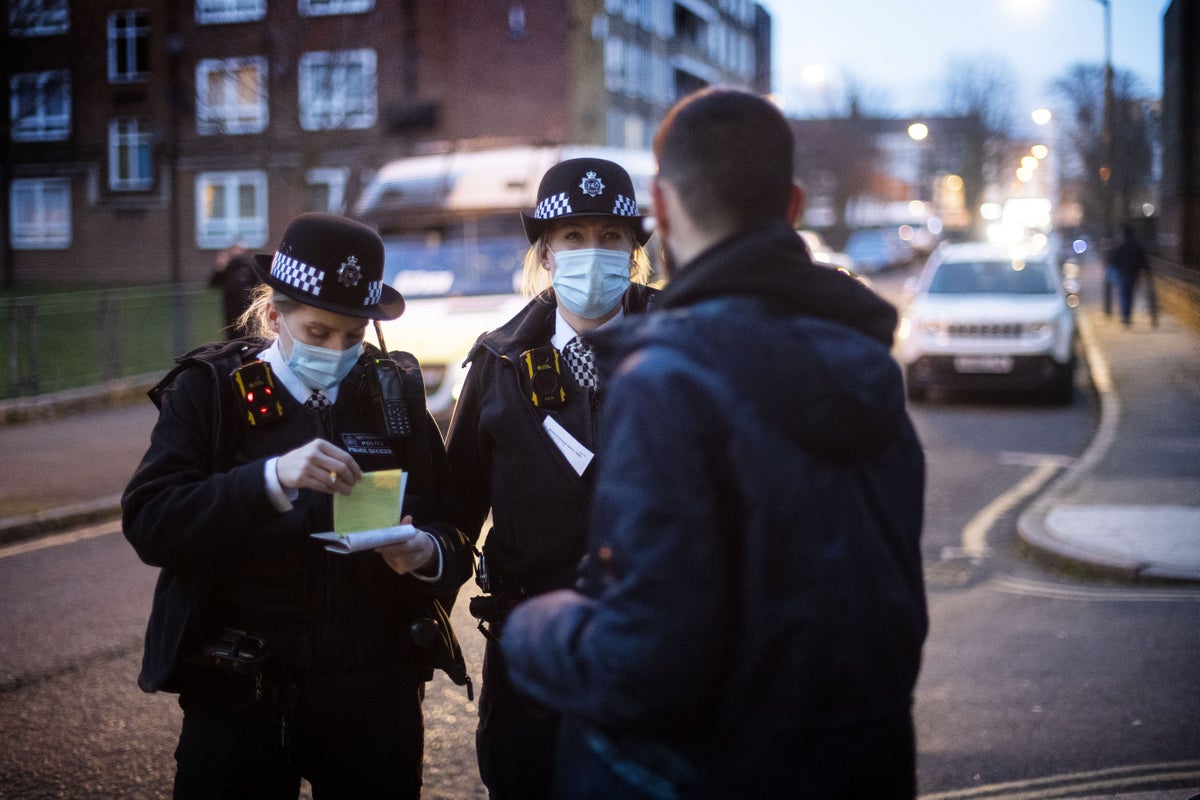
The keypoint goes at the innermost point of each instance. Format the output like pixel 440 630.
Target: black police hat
pixel 333 263
pixel 585 187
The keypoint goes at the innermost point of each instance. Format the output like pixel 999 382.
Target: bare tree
pixel 982 91
pixel 836 159
pixel 1080 91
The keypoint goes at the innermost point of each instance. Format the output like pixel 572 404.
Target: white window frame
pixel 322 8
pixel 38 17
pixel 130 154
pixel 340 108
pixel 242 105
pixel 41 124
pixel 39 215
pixel 126 39
pixel 222 227
pixel 216 12
pixel 335 178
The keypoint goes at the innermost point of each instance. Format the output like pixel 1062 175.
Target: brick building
pixel 145 135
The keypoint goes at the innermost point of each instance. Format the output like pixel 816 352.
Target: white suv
pixel 984 317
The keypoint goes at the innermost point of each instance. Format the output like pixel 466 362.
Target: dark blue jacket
pixel 755 534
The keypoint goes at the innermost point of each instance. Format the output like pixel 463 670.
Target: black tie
pixel 317 401
pixel 582 362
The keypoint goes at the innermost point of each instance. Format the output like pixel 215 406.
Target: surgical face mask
pixel 320 367
pixel 590 282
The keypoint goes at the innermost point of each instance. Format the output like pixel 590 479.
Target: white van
pixel 454 246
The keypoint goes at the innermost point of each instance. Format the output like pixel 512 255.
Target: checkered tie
pixel 582 362
pixel 317 401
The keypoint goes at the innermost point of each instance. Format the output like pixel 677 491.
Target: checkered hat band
pixel 625 207
pixel 553 206
pixel 298 274
pixel 374 293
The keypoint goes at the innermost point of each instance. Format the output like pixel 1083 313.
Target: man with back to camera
pixel 754 607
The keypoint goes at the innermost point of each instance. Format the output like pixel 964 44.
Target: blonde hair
pixel 255 320
pixel 535 276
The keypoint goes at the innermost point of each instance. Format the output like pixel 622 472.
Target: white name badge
pixel 578 455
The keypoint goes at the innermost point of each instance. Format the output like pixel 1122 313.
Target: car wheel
pixel 1062 390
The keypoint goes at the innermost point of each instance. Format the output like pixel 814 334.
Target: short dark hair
pixel 730 155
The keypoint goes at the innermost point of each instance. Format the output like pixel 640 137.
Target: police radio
pixel 387 394
pixel 256 387
pixel 541 377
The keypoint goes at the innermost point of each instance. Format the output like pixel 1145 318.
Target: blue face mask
pixel 590 282
pixel 320 367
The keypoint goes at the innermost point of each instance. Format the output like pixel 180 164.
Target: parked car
pixel 982 317
pixel 822 253
pixel 875 249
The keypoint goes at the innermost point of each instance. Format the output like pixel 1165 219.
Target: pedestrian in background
pixel 754 609
pixel 1131 265
pixel 290 661
pixel 524 429
pixel 234 275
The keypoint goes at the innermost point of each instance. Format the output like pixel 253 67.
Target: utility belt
pixel 252 653
pixel 497 601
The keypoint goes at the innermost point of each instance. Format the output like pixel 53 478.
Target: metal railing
pixel 55 342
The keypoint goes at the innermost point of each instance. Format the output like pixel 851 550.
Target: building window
pixel 231 207
pixel 337 90
pixel 40 213
pixel 690 27
pixel 40 106
pixel 317 8
pixel 128 46
pixel 614 64
pixel 327 189
pixel 211 12
pixel 130 155
pixel 37 17
pixel 231 95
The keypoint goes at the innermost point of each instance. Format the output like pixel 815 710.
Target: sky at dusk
pixel 899 50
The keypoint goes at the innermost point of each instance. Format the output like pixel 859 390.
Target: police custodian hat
pixel 333 263
pixel 581 187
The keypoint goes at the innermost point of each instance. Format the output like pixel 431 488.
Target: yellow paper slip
pixel 374 502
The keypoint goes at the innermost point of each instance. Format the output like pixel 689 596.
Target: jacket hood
pixel 804 348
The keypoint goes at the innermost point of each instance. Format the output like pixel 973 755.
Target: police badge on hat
pixel 591 185
pixel 348 273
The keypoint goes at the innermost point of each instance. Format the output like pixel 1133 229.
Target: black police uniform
pixel 337 698
pixel 504 461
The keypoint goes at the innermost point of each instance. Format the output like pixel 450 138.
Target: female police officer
pixel 524 430
pixel 292 662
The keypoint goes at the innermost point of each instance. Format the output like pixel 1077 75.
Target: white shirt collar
pixel 273 355
pixel 563 332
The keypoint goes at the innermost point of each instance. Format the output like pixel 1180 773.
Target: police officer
pixel 524 432
pixel 290 661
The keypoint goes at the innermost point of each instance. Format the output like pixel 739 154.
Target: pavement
pixel 1127 508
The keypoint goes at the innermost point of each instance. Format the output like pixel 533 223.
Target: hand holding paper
pixel 367 517
pixel 369 539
